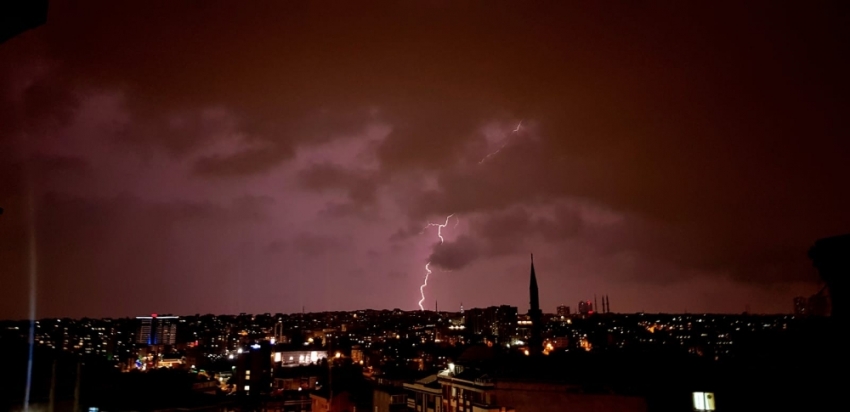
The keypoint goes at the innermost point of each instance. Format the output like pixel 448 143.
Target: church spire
pixel 535 343
pixel 533 292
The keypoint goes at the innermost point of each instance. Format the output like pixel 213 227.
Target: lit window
pixel 247 388
pixel 704 401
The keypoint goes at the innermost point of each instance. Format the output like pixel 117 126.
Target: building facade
pixel 563 310
pixel 157 330
pixel 585 307
pixel 424 395
pixel 496 321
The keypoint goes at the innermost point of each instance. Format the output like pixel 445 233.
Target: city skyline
pixel 272 157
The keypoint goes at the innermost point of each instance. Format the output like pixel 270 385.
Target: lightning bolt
pixel 503 144
pixel 422 288
pixel 440 227
pixel 428 272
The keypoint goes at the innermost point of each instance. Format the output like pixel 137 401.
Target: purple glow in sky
pixel 214 158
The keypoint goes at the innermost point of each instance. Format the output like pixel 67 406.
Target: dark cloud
pixel 405 233
pixel 245 162
pixel 717 133
pixel 315 245
pixel 456 254
pixel 343 210
pixel 504 233
pixel 361 187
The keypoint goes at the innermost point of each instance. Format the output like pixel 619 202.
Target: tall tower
pixel 535 343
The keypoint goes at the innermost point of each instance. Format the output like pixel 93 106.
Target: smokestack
pixel 436 308
pixel 595 304
pixel 608 305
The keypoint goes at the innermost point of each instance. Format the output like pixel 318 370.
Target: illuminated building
pixel 254 371
pixel 157 330
pixel 357 354
pixel 298 357
pixel 298 379
pixel 563 310
pixel 498 321
pixel 585 307
pixel 704 401
pixel 476 321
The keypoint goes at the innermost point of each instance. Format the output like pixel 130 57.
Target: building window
pixel 704 401
pixel 247 388
pixel 397 399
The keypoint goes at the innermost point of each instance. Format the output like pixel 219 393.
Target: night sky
pixel 221 157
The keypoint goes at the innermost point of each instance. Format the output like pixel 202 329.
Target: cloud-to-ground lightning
pixel 422 288
pixel 428 272
pixel 440 226
pixel 507 139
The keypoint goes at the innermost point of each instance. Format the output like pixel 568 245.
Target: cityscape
pixel 423 206
pixel 394 360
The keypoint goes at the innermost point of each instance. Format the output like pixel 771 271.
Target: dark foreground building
pixel 18 16
pixel 831 256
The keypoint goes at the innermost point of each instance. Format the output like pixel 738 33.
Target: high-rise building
pixel 498 321
pixel 535 342
pixel 563 310
pixel 818 305
pixel 253 370
pixel 585 307
pixel 476 321
pixel 157 330
pixel 800 306
pixel 505 327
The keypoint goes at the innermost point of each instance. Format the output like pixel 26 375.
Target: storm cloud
pixel 669 144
